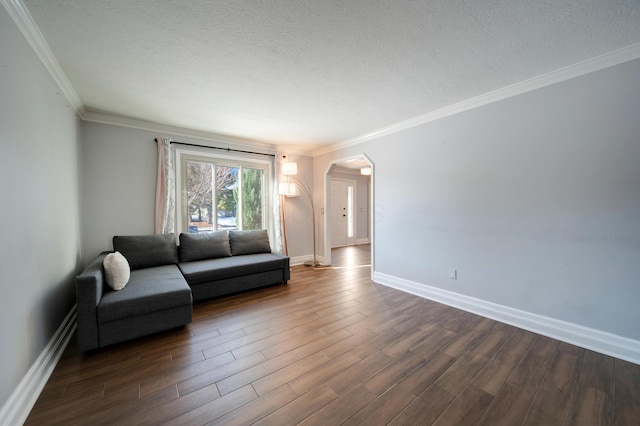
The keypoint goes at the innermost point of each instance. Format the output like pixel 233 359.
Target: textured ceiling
pixel 314 72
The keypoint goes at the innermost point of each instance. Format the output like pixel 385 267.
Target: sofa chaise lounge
pixel 165 280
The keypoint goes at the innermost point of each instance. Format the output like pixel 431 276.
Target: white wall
pixel 535 200
pixel 118 187
pixel 39 207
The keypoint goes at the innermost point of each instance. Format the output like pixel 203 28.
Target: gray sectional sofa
pixel 165 280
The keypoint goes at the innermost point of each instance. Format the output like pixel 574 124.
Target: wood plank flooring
pixel 331 348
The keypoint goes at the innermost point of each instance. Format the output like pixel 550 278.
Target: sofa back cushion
pixel 145 251
pixel 249 242
pixel 209 245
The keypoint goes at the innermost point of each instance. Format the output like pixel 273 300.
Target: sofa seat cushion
pixel 204 271
pixel 148 290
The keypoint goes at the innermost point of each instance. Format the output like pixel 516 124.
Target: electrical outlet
pixel 453 274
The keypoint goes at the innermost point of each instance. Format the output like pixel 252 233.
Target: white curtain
pixel 279 243
pixel 165 213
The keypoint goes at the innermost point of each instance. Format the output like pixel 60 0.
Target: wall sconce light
pixel 365 171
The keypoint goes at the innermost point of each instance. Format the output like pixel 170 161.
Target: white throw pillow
pixel 116 270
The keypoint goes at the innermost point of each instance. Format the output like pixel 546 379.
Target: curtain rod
pixel 222 149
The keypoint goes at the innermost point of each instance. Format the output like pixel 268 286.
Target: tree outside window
pixel 225 193
pixel 252 202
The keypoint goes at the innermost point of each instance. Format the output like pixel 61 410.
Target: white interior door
pixel 342 213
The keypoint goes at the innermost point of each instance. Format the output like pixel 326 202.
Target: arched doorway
pixel 345 167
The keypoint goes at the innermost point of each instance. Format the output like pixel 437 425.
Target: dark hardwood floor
pixel 330 348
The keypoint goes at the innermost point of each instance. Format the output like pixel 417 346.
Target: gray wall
pixel 535 200
pixel 39 213
pixel 298 214
pixel 118 188
pixel 118 185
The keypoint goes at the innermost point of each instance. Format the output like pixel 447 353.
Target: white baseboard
pixel 300 260
pixel 362 241
pixel 585 337
pixel 21 401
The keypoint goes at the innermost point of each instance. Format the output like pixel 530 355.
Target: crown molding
pixel 165 129
pixel 27 26
pixel 23 20
pixel 133 123
pixel 615 57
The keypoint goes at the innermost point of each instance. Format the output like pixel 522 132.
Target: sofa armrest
pixel 89 288
pixel 287 269
pixel 286 266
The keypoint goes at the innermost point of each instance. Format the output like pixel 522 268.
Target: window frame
pixel 204 155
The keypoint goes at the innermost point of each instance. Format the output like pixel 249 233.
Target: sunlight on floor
pixel 351 256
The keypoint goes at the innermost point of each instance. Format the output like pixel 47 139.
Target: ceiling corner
pixel 27 26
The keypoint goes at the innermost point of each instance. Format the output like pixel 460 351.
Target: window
pixel 222 193
pixel 350 211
